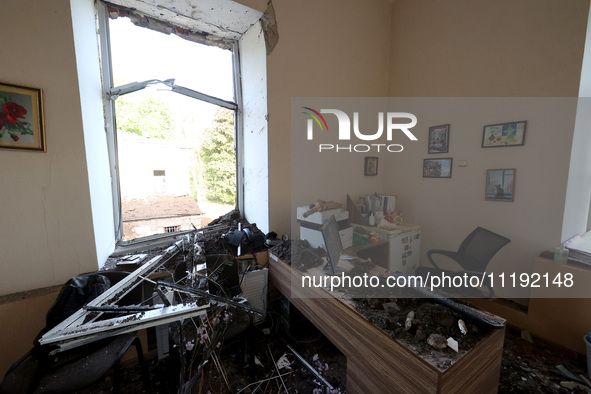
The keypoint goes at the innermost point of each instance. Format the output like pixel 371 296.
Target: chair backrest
pixel 134 296
pixel 481 245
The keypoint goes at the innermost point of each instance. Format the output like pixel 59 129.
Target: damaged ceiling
pixel 220 18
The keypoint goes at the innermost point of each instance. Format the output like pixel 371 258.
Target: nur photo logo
pixel 390 122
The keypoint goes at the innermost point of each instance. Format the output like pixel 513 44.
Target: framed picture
pixel 504 134
pixel 437 168
pixel 438 139
pixel 371 166
pixel 21 118
pixel 500 184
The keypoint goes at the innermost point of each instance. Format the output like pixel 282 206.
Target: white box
pixel 404 247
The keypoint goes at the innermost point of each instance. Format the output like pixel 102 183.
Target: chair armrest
pixel 448 253
pixel 464 261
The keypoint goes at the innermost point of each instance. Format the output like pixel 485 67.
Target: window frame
pixel 111 127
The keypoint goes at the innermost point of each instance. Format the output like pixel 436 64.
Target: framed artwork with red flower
pixel 21 118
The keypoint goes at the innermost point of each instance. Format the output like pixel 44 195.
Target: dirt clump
pixel 299 254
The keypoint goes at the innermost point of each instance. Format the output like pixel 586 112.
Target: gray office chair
pixel 473 255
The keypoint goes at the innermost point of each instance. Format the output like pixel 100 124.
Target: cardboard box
pixel 322 216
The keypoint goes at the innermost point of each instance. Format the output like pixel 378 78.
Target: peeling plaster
pixel 221 18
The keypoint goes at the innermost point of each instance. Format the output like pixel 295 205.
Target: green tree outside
pixel 218 158
pixel 145 116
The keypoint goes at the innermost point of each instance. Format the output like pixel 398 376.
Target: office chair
pixel 78 368
pixel 473 255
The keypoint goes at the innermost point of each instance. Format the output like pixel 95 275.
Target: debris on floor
pixel 224 352
pixel 532 367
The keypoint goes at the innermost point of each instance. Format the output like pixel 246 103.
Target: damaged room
pixel 275 196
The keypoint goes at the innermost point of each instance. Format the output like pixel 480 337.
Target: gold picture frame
pixel 21 118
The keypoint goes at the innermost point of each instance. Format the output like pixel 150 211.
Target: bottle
pixel 372 220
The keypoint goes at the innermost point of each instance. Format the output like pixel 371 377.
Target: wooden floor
pixel 377 363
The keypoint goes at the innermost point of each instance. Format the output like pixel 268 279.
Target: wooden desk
pixel 377 363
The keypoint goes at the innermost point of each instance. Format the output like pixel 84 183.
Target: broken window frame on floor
pixel 84 327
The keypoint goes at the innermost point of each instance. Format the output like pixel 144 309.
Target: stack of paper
pixel 579 247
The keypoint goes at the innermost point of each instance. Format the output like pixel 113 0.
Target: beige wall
pixel 46 231
pixel 505 48
pixel 524 48
pixel 328 48
pixel 451 49
pixel 22 318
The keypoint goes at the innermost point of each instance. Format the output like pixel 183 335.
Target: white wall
pixel 95 140
pixel 255 140
pixel 138 158
pixel 47 230
pixel 577 215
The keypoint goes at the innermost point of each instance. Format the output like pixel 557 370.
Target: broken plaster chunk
pixel 391 307
pixel 409 319
pixel 462 326
pixel 453 344
pixel 526 335
pixel 283 362
pixel 437 341
pixel 258 362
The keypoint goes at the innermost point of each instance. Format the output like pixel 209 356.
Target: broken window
pixel 174 144
pixel 172 229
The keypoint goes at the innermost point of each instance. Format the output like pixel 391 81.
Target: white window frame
pixel 110 119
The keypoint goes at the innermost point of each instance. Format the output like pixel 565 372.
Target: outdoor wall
pixel 329 48
pixel 465 48
pixel 46 232
pixel 140 156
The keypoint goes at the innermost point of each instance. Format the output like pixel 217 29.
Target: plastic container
pixel 560 255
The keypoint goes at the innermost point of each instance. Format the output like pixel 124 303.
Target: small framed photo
pixel 504 134
pixel 438 139
pixel 437 168
pixel 500 184
pixel 21 118
pixel 371 166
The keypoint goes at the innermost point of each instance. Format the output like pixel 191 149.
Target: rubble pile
pixel 423 327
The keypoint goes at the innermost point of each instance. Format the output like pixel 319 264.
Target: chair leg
pixel 118 371
pixel 140 357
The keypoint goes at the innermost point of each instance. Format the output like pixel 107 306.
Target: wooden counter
pixel 376 363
